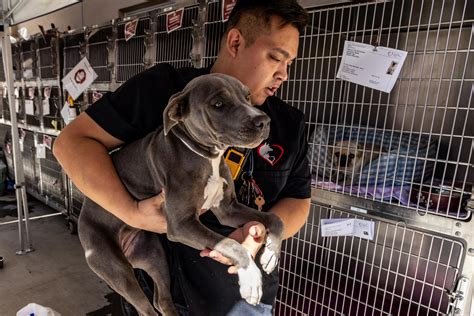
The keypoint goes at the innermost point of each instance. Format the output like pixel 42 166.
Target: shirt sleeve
pixel 136 108
pixel 298 185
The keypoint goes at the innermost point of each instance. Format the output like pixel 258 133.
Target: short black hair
pixel 247 15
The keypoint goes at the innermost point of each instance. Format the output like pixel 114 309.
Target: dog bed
pixel 402 160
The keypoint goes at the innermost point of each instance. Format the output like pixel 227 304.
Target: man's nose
pixel 282 72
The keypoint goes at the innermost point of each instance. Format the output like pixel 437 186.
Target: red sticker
pixel 270 153
pixel 174 20
pixel 130 29
pixel 227 6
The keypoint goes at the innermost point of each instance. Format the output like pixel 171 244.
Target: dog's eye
pixel 351 156
pixel 248 97
pixel 218 104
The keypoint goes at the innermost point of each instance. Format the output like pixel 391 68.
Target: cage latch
pixel 458 297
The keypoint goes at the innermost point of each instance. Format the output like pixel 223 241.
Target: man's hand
pixel 251 236
pixel 149 215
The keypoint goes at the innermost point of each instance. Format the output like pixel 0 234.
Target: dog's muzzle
pixel 260 124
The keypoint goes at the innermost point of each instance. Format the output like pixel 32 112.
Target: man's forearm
pixel 90 167
pixel 293 213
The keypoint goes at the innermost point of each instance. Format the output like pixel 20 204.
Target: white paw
pixel 250 281
pixel 269 258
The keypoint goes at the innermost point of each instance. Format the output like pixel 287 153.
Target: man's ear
pixel 234 41
pixel 175 111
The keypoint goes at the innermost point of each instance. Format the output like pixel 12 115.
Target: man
pixel 260 43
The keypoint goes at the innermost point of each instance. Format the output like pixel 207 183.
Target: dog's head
pixel 216 110
pixel 347 154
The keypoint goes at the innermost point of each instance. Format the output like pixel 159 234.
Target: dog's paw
pixel 270 256
pixel 250 282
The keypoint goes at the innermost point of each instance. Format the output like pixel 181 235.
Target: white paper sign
pixel 29 107
pixel 40 151
pixel 67 113
pixel 79 78
pixel 370 66
pixel 21 136
pixel 347 227
pixel 17 106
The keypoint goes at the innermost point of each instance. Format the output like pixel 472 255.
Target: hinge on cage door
pixel 150 44
pixel 458 297
pixel 111 39
pixel 198 35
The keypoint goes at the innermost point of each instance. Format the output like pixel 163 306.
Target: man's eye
pixel 218 104
pixel 275 58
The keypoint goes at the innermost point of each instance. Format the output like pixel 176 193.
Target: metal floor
pixel 55 274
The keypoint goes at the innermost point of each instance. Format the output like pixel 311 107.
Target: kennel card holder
pixel 377 69
pixel 332 227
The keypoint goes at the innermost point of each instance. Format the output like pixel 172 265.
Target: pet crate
pixel 130 54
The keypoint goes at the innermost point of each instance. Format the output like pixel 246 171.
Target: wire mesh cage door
pixel 175 47
pixel 412 147
pixel 417 144
pixel 403 271
pixel 98 41
pixel 130 53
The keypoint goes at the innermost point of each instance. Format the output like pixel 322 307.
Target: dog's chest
pixel 214 190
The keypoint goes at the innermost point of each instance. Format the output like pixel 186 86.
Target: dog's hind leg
pixel 118 273
pixel 147 253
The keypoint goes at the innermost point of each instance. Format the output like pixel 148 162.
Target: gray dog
pixel 212 113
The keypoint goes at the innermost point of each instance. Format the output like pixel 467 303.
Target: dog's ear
pixel 175 111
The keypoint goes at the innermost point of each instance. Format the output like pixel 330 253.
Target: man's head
pixel 260 43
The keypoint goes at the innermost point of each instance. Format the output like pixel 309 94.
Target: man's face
pixel 263 66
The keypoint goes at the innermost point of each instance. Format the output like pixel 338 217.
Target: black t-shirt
pixel 279 164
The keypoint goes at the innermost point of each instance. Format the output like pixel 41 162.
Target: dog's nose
pixel 261 121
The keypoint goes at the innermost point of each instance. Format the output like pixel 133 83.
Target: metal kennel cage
pixel 403 271
pixel 100 40
pixel 130 58
pixel 214 28
pixel 175 47
pixel 418 136
pixel 417 185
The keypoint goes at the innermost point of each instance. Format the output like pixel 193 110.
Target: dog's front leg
pixel 189 231
pixel 236 214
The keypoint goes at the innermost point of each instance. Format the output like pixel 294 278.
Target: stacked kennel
pixel 38 101
pixel 416 186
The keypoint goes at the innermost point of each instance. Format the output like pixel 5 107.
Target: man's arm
pixel 293 213
pixel 82 149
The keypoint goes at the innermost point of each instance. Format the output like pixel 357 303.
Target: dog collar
pixel 203 151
